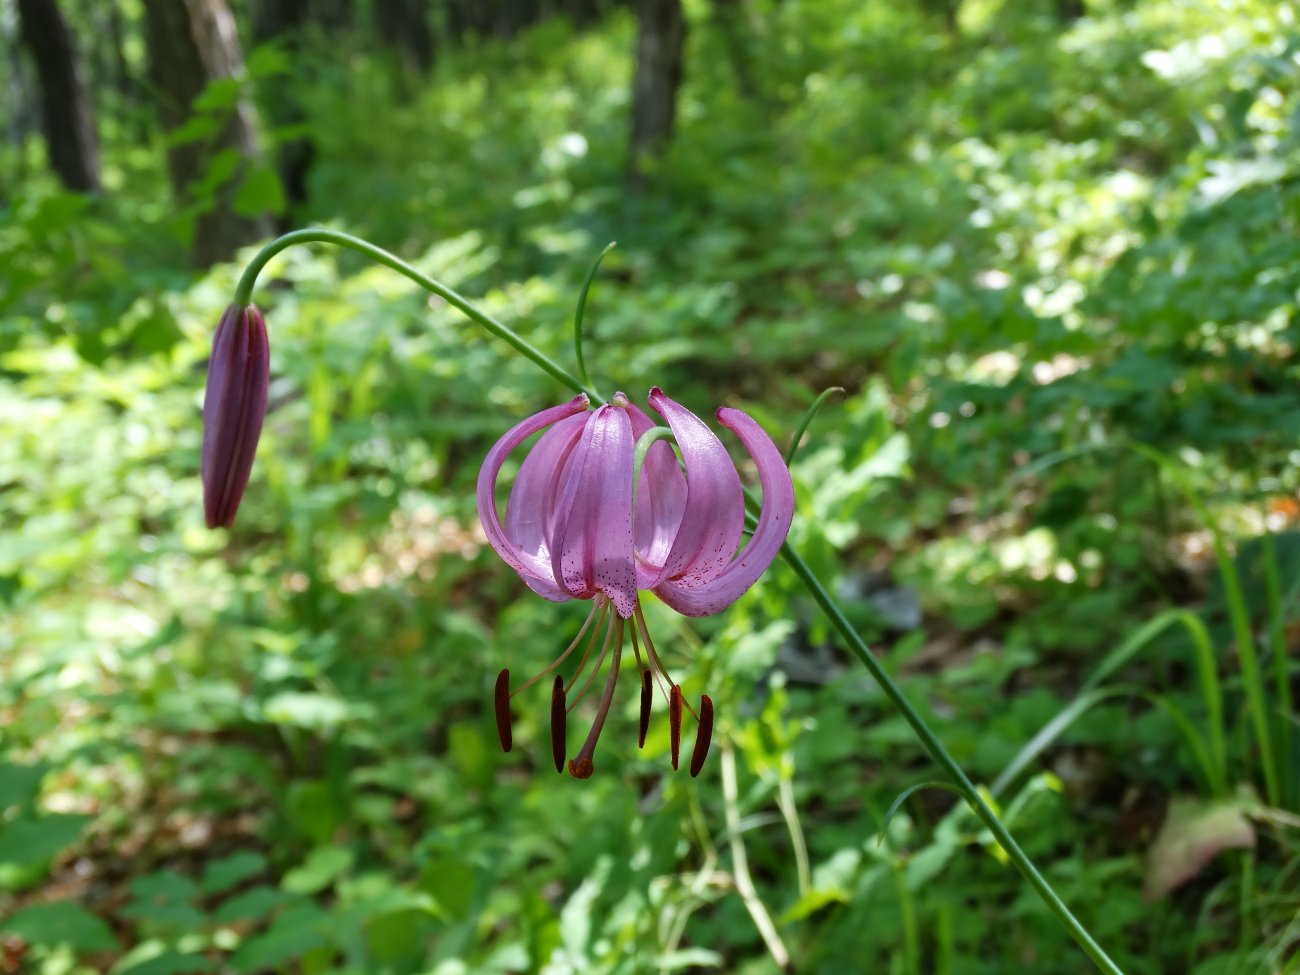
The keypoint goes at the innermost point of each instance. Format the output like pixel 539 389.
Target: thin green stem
pixel 1277 609
pixel 807 419
pixel 321 235
pixel 582 307
pixel 1239 616
pixel 940 754
pixel 790 813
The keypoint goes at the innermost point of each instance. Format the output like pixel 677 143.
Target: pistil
pixel 581 767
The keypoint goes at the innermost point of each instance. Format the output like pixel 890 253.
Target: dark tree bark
pixel 192 43
pixel 334 15
pixel 1068 11
pixel 67 116
pixel 517 16
pixel 404 26
pixel 284 21
pixel 660 41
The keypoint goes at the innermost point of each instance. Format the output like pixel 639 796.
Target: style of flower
pixel 581 523
pixel 234 406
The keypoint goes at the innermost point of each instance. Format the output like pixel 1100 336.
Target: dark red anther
pixel 703 736
pixel 647 696
pixel 501 701
pixel 675 723
pixel 559 723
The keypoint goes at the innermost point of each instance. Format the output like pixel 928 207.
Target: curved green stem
pixel 928 739
pixel 802 428
pixel 582 307
pixel 244 295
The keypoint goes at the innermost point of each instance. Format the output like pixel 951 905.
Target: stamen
pixel 600 661
pixel 586 654
pixel 647 697
pixel 559 723
pixel 636 649
pixel 675 723
pixel 650 650
pixel 581 767
pixel 599 606
pixel 501 701
pixel 702 736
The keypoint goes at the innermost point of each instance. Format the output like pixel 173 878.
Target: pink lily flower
pixel 576 527
pixel 234 406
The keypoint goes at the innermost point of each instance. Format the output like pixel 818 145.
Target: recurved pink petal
pixel 531 510
pixel 714 514
pixel 715 595
pixel 592 549
pixel 660 501
pixel 533 569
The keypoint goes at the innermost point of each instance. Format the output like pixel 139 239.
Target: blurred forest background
pixel 1049 249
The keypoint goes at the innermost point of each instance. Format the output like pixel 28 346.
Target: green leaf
pixel 31 841
pixel 20 784
pixel 451 883
pixel 231 871
pixel 257 902
pixel 398 935
pixel 156 958
pixel 259 192
pixel 305 710
pixel 292 935
pixel 323 866
pixel 315 809
pixel 61 923
pixel 157 331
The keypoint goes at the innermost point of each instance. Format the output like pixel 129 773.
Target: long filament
pixel 650 649
pixel 598 609
pixel 581 766
pixel 592 639
pixel 615 622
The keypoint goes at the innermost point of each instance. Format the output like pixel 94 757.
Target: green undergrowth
pixel 1053 264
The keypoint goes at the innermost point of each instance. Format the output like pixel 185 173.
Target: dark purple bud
pixel 234 406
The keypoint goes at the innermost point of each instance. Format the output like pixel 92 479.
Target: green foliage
pixel 1018 246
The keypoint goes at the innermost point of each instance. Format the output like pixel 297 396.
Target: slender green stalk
pixel 931 743
pixel 807 419
pixel 1239 616
pixel 321 235
pixel 790 813
pixel 1277 610
pixel 740 864
pixel 911 937
pixel 940 754
pixel 582 307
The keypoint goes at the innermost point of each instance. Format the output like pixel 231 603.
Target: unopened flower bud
pixel 234 406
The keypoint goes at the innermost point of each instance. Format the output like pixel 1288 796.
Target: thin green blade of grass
pixel 1092 692
pixel 1238 614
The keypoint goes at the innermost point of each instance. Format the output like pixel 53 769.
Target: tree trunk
pixel 404 26
pixel 660 40
pixel 67 116
pixel 333 15
pixel 284 21
pixel 192 43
